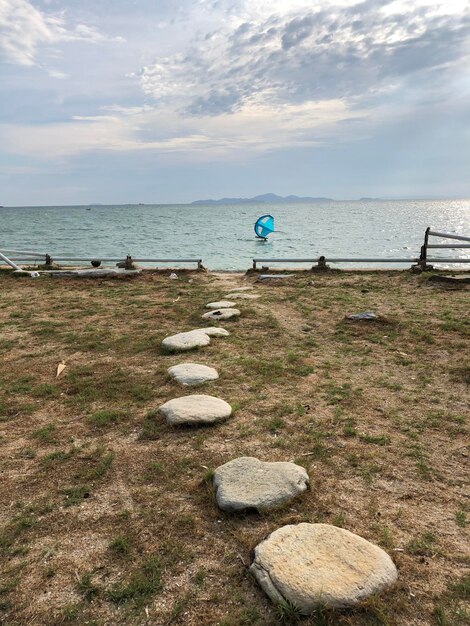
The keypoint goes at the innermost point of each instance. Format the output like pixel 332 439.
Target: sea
pixel 223 236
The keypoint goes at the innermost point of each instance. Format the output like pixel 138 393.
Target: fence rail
pixel 447 235
pixel 423 257
pixel 21 255
pixel 421 261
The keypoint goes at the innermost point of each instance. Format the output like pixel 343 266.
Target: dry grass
pixel 107 515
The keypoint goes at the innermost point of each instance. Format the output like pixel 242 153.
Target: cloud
pixel 309 55
pixel 251 77
pixel 24 29
pixel 209 138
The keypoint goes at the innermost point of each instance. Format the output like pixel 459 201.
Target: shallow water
pixel 223 236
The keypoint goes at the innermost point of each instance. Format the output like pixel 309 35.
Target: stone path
pixel 308 565
pixel 191 339
pixel 192 373
pixel 214 331
pixel 367 315
pixel 186 341
pixel 221 314
pixel 241 289
pixel 247 483
pixel 318 564
pixel 195 409
pixel 242 296
pixel 222 304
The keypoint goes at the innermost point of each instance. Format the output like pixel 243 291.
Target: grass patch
pixel 57 457
pixel 86 587
pixel 121 545
pixel 151 428
pixel 141 585
pixel 105 417
pixel 85 384
pixel 75 495
pixel 423 545
pixel 45 434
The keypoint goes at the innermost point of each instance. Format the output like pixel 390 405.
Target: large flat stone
pixel 319 564
pixel 248 483
pixel 366 316
pixel 214 331
pixel 195 409
pixel 221 304
pixel 221 314
pixel 193 338
pixel 241 296
pixel 241 289
pixel 186 341
pixel 192 373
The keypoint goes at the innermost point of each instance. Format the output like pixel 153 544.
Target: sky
pixel 169 101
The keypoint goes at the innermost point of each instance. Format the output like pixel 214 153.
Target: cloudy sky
pixel 118 101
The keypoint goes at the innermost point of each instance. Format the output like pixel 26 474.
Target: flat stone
pixel 241 296
pixel 93 273
pixel 275 276
pixel 192 373
pixel 193 339
pixel 241 289
pixel 248 483
pixel 319 564
pixel 458 279
pixel 221 314
pixel 186 341
pixel 222 304
pixel 367 315
pixel 214 331
pixel 195 409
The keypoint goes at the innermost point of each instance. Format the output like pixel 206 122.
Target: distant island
pixel 266 198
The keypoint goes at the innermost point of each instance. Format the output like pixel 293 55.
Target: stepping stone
pixel 315 565
pixel 196 409
pixel 367 315
pixel 462 279
pixel 275 276
pixel 221 314
pixel 222 304
pixel 193 338
pixel 186 341
pixel 214 331
pixel 192 373
pixel 241 296
pixel 248 483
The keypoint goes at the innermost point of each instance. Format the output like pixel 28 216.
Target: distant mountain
pixel 266 198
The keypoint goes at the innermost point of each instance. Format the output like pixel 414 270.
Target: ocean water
pixel 223 236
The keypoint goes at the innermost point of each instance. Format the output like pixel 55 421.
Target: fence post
pixel 321 266
pixel 424 253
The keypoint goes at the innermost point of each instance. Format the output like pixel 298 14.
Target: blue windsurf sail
pixel 264 226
